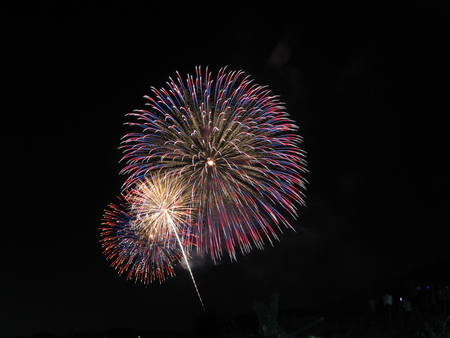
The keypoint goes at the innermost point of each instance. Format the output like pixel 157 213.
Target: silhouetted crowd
pixel 416 295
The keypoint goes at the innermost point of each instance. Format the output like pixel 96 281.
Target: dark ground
pixel 417 324
pixel 347 317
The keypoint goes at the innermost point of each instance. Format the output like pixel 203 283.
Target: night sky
pixel 366 85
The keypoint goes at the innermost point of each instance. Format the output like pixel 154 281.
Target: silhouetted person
pixel 424 305
pixel 441 297
pixel 407 304
pixel 447 294
pixel 387 302
pixel 372 304
pixel 431 294
pixel 411 289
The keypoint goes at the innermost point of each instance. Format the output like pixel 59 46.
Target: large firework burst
pixel 235 148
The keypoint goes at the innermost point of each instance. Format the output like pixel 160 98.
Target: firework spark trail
pixel 232 143
pixel 185 259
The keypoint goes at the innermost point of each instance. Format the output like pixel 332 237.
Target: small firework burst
pixel 148 232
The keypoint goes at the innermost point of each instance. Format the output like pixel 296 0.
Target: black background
pixel 365 83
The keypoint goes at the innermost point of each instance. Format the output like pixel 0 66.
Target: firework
pixel 147 232
pixel 150 231
pixel 235 148
pixel 161 208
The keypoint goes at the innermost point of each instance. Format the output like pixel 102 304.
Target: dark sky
pixel 366 85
